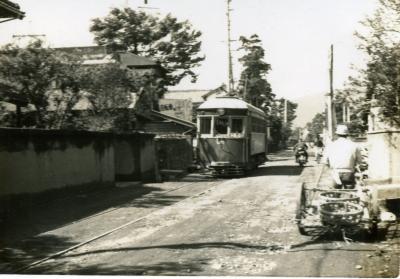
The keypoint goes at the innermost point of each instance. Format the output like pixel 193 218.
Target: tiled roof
pixel 10 9
pixel 196 96
pixel 130 59
pixel 93 55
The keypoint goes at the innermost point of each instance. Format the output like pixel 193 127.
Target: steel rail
pixel 55 255
pixel 116 208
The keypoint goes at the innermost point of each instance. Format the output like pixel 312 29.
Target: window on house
pixel 205 125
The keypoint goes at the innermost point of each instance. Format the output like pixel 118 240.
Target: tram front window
pixel 221 125
pixel 205 125
pixel 237 126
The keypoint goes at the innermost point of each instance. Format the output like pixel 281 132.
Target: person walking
pixel 342 156
pixel 319 148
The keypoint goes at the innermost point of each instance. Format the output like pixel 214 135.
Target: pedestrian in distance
pixel 319 149
pixel 342 156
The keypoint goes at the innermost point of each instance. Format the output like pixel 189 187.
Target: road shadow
pixel 30 250
pixel 162 268
pixel 200 177
pixel 320 235
pixel 186 246
pixel 166 268
pixel 155 200
pixel 286 170
pixel 27 220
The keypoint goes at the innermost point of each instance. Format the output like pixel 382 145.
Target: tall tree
pixel 175 44
pixel 253 83
pixel 110 91
pixel 381 42
pixel 281 131
pixel 255 89
pixel 352 100
pixel 38 76
pixel 109 87
pixel 316 126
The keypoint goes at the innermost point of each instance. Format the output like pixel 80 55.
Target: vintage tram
pixel 231 135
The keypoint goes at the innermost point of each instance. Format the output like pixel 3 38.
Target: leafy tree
pixel 108 86
pixel 381 78
pixel 358 106
pixel 281 131
pixel 253 84
pixel 175 44
pixel 40 77
pixel 255 89
pixel 111 92
pixel 316 126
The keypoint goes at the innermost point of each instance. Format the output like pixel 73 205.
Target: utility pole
pixel 146 7
pixel 34 36
pixel 329 100
pixel 285 112
pixel 231 82
pixel 245 88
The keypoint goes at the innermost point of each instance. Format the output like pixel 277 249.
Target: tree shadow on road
pixel 166 268
pixel 162 268
pixel 320 236
pixel 153 201
pixel 187 246
pixel 32 219
pixel 286 170
pixel 30 250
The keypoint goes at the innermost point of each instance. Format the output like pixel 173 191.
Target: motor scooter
pixel 301 157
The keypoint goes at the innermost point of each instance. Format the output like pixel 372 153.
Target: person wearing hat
pixel 342 156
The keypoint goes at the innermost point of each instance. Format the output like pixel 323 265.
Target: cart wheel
pixel 373 231
pixel 300 210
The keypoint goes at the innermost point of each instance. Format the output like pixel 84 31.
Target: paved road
pixel 201 226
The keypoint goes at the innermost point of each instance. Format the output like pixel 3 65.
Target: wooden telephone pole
pixel 329 101
pixel 231 82
pixel 285 110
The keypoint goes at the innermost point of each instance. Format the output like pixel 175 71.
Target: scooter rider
pixel 342 156
pixel 300 146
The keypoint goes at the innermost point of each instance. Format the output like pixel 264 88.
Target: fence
pixel 175 153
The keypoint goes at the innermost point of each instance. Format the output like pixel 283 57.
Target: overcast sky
pixel 296 34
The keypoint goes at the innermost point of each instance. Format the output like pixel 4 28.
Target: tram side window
pixel 237 126
pixel 258 125
pixel 205 125
pixel 221 125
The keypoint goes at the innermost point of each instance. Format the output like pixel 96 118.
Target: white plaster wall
pixel 28 171
pixel 148 160
pixel 384 155
pixel 124 157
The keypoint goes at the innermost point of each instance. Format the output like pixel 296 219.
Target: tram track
pixel 119 207
pixel 211 184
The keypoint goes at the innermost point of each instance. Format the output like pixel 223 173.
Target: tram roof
pixel 229 103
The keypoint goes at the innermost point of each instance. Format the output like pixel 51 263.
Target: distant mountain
pixel 309 105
